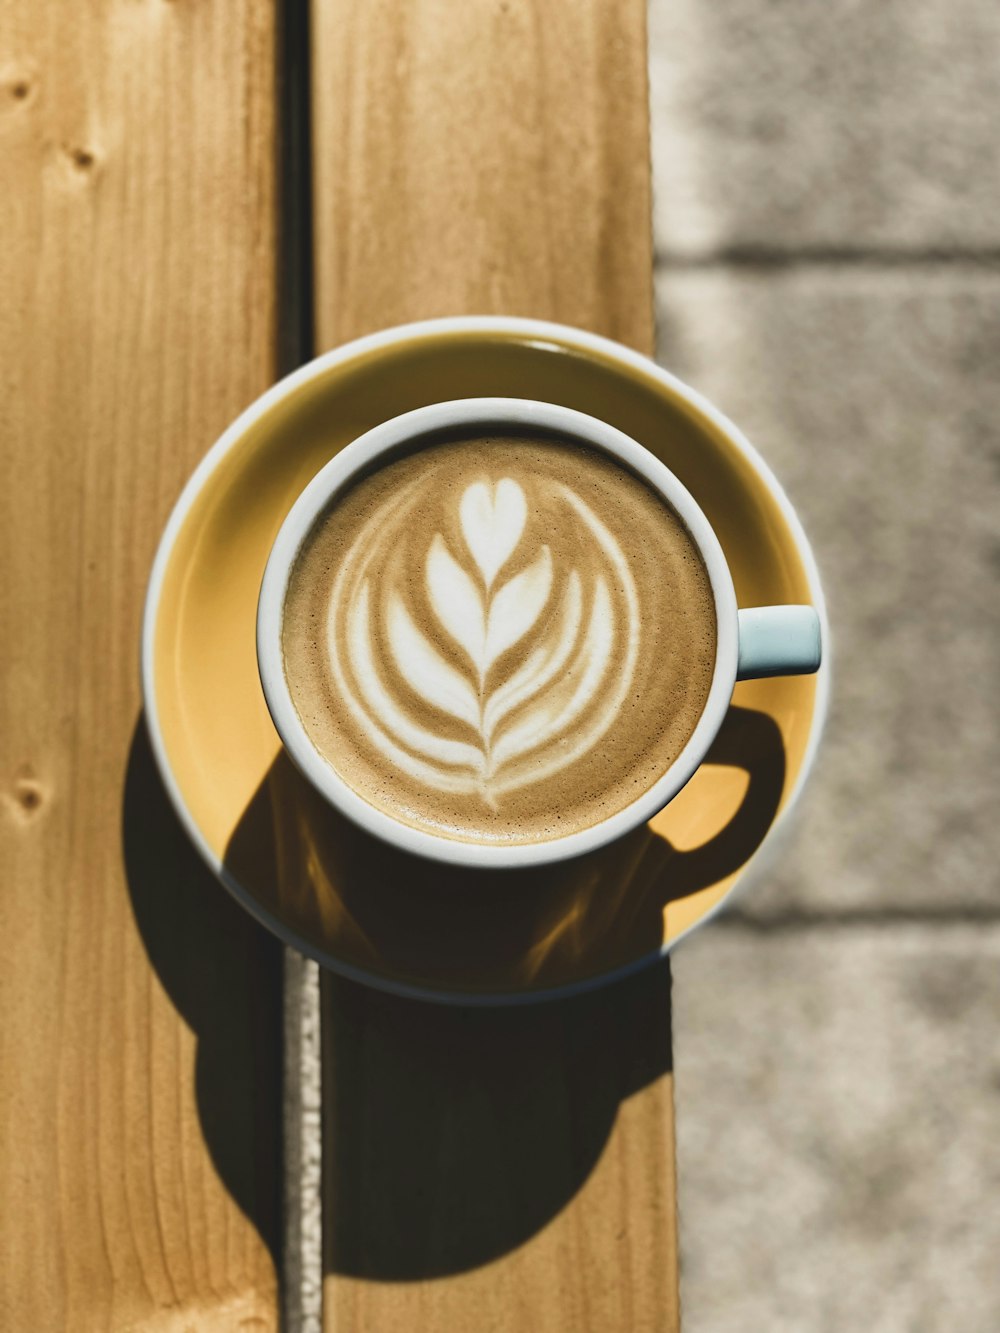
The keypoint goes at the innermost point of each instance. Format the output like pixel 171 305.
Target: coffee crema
pixel 501 639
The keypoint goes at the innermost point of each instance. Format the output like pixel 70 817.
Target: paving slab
pixel 875 398
pixel 838 1121
pixel 825 124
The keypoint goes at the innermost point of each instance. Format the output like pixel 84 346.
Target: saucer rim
pixel 560 338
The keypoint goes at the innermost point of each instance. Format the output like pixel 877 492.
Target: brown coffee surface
pixel 503 639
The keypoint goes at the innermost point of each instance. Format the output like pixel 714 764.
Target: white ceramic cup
pixel 751 643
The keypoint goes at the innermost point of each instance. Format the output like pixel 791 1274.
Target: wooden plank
pixel 481 157
pixel 509 1170
pixel 139 1162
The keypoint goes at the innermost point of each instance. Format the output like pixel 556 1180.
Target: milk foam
pixel 512 715
pixel 467 640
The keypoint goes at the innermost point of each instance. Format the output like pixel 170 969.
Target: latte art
pixel 468 637
pixel 508 717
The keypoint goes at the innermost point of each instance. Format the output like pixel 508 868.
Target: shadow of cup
pixel 380 913
pixel 452 1133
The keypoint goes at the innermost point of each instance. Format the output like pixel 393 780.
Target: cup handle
pixel 778 641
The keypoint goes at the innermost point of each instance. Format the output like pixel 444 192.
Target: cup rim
pixel 408 429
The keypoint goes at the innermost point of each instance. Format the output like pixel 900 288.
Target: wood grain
pixel 139 1163
pixel 510 1170
pixel 481 157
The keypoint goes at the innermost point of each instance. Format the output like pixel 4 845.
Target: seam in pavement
pixel 777 259
pixel 793 922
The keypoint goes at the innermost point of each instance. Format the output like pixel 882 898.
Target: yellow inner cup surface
pixel 333 889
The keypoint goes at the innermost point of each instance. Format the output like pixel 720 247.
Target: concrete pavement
pixel 827 209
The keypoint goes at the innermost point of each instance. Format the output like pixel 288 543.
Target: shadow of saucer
pixel 453 1133
pixel 223 972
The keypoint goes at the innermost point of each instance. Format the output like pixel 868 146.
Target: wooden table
pixel 482 1170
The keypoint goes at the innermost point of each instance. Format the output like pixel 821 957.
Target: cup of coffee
pixel 500 633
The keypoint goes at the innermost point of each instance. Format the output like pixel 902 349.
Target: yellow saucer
pixel 326 887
